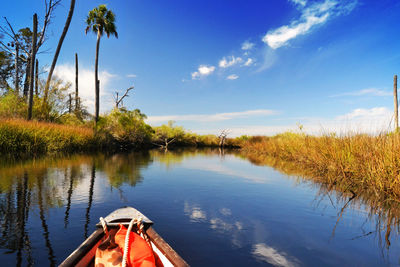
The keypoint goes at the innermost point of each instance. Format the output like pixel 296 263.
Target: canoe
pixel 84 255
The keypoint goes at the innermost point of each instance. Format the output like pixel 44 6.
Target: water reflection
pixel 39 185
pixel 232 199
pixel 384 213
pixel 270 255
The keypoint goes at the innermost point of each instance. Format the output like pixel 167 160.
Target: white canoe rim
pixel 85 253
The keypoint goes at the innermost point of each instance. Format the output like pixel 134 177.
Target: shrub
pixel 124 128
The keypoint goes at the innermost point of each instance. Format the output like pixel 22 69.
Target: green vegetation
pixel 120 129
pixel 57 125
pixel 124 129
pixel 100 20
pixel 360 164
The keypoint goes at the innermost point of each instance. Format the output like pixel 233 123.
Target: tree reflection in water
pixel 30 190
pixel 44 184
pixel 91 189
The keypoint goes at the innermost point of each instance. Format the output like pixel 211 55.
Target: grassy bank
pixel 31 137
pixel 116 131
pixel 361 164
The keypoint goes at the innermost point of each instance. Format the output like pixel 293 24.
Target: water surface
pixel 214 209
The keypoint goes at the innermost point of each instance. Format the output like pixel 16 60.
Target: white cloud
pixel 368 91
pixel 229 62
pixel 232 77
pixel 380 113
pixel 299 2
pixel 212 117
pixel 202 71
pixel 66 72
pixel 272 256
pixel 315 14
pixel 249 62
pixel 247 45
pixel 131 75
pixel 371 121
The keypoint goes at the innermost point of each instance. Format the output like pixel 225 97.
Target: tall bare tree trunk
pixel 96 78
pixel 70 104
pixel 396 104
pixel 16 69
pixel 60 42
pixel 33 55
pixel 27 76
pixel 37 78
pixel 76 84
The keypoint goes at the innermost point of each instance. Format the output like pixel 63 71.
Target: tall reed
pixel 350 163
pixel 31 137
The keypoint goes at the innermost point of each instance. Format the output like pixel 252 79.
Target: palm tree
pixel 100 20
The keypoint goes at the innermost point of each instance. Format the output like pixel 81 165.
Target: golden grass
pixel 32 137
pixel 353 163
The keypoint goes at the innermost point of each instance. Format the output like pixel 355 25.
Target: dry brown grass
pixel 32 137
pixel 350 163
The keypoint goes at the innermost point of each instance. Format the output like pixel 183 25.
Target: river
pixel 213 208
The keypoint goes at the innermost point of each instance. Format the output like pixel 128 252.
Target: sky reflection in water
pixel 214 209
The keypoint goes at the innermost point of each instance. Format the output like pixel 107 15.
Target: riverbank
pixel 359 164
pixel 18 136
pixel 30 138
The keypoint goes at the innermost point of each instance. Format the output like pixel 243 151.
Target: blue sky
pixel 253 67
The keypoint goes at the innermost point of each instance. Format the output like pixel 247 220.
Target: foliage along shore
pixel 117 131
pixel 357 164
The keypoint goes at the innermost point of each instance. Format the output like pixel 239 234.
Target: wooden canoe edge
pixel 83 249
pixel 166 249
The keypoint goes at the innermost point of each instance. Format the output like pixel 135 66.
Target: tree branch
pixel 119 100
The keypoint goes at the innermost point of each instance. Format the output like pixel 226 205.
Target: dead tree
pixel 58 49
pixel 222 138
pixel 76 84
pixel 70 104
pixel 37 78
pixel 16 69
pixel 33 55
pixel 118 101
pixel 16 39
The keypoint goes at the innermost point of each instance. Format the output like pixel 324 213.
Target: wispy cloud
pixel 362 120
pixel 247 45
pixel 269 58
pixel 202 71
pixel 363 92
pixel 367 114
pixel 212 117
pixel 249 62
pixel 229 61
pixel 232 77
pixel 131 75
pixel 86 84
pixel 299 2
pixel 312 15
